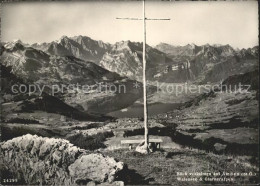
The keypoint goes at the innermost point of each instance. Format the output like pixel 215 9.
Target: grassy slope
pixel 161 167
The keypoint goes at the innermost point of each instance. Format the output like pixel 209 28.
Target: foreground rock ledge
pixel 49 161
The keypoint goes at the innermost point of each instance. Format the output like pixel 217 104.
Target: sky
pixel 221 22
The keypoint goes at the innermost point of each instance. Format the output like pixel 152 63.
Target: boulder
pixel 95 167
pixel 50 161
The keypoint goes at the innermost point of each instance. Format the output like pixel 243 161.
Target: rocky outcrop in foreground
pixel 49 161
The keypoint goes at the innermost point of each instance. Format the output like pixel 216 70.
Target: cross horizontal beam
pixel 130 18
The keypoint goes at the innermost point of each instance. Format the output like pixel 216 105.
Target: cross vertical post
pixel 146 133
pixel 146 137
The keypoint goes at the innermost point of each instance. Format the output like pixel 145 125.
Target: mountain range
pixel 34 66
pixel 81 47
pixel 165 62
pixel 84 61
pixel 206 63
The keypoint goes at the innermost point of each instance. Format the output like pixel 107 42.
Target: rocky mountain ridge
pixel 207 50
pixel 206 63
pixel 81 47
pixel 36 67
pixel 165 62
pixel 125 58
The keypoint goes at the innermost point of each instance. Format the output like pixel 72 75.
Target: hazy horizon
pixel 233 23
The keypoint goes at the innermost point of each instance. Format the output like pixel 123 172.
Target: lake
pixel 136 110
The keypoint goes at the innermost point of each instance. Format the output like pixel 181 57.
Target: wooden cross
pixel 144 19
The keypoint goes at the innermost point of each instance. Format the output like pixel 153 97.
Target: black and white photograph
pixel 115 93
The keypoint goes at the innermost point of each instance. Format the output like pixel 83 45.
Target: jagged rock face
pixel 193 50
pixel 187 50
pixel 125 58
pixel 178 64
pixel 249 53
pixel 49 161
pixel 35 66
pixel 81 47
pixel 13 44
pixel 41 46
pixel 206 63
pixel 26 62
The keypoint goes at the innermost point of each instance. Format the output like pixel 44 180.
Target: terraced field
pixel 217 119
